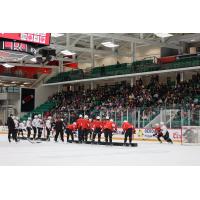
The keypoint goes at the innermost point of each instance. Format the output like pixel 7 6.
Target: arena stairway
pixel 45 107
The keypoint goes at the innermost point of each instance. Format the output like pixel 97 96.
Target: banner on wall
pixel 27 99
pixel 147 134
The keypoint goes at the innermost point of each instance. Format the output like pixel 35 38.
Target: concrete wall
pixel 43 92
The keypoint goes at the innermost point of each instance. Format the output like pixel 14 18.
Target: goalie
pixel 161 131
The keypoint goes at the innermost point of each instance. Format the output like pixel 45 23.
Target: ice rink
pixel 49 153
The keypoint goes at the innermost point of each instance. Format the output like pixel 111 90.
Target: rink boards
pixel 142 134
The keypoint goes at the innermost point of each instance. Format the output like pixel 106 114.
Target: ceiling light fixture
pixel 163 35
pixel 67 52
pixel 109 44
pixel 57 34
pixel 8 65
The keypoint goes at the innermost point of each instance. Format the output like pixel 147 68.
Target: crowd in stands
pixel 120 97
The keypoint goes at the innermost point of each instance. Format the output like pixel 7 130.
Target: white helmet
pixel 62 119
pixel 90 120
pixel 107 117
pixel 161 123
pixel 97 117
pixel 86 117
pixel 49 117
pixel 35 116
pixel 156 125
pixel 80 116
pixel 29 118
pixel 111 120
pixel 39 115
pixel 74 123
pixel 24 121
pixel 125 121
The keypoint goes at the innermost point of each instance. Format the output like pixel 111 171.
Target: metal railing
pixel 140 117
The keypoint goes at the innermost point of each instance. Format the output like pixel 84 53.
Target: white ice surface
pixel 50 153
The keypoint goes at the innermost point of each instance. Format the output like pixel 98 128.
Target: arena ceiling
pixel 88 46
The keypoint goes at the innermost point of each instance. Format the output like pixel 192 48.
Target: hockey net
pixel 191 135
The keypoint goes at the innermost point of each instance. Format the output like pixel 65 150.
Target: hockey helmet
pixel 111 120
pixel 97 117
pixel 80 116
pixel 125 121
pixel 161 123
pixel 86 116
pixel 35 116
pixel 29 118
pixel 107 117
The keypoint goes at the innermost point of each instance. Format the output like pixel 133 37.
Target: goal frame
pixel 196 135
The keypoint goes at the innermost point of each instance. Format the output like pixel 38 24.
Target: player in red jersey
pixel 109 127
pixel 91 122
pixel 128 130
pixel 85 128
pixel 70 131
pixel 79 127
pixel 158 132
pixel 97 126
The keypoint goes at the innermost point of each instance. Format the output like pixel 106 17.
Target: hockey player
pixel 16 121
pixel 128 130
pixel 34 125
pixel 70 129
pixel 90 128
pixel 79 126
pixel 109 127
pixel 59 126
pixel 97 126
pixel 40 125
pixel 158 132
pixel 21 128
pixel 85 128
pixel 165 133
pixel 11 128
pixel 53 124
pixel 48 127
pixel 29 127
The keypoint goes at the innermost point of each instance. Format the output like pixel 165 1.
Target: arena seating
pixel 45 107
pixel 124 68
pixel 117 99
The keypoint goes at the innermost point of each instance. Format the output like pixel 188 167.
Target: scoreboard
pixel 37 38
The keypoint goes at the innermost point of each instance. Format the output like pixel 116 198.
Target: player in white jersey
pixel 16 121
pixel 40 125
pixel 48 127
pixel 21 128
pixel 34 125
pixel 29 127
pixel 165 132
